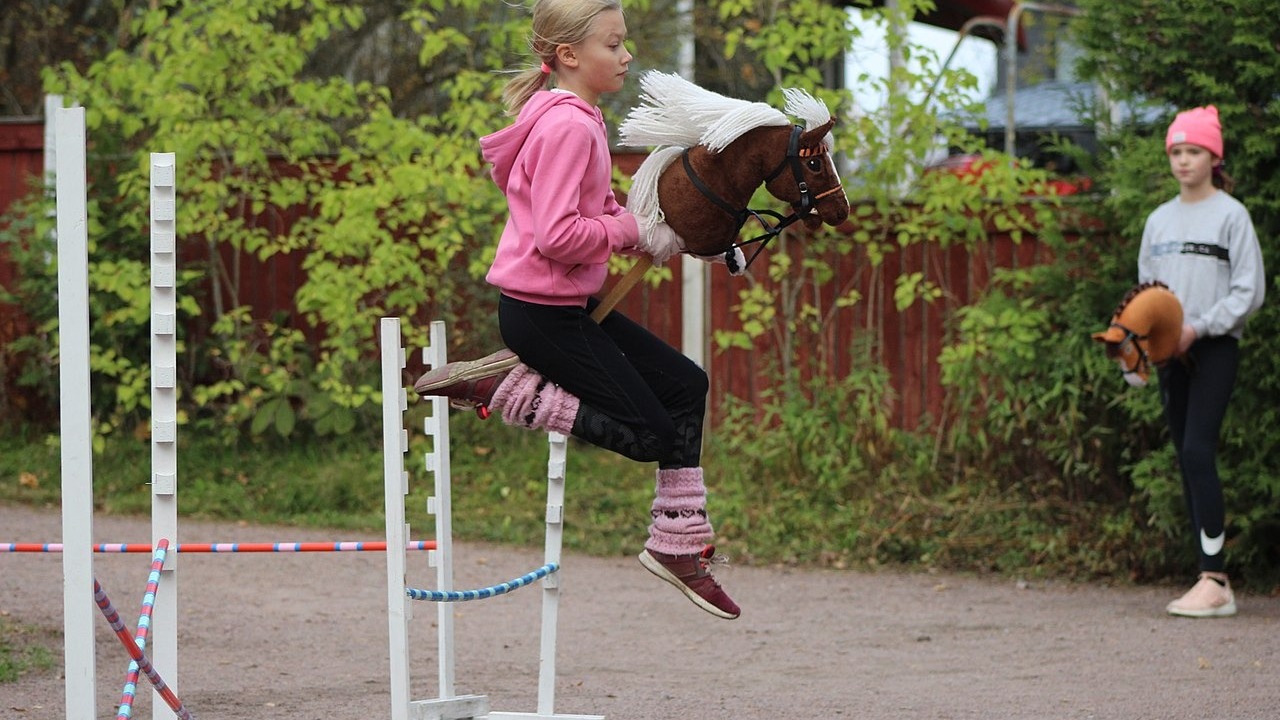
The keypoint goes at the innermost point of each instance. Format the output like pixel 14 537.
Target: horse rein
pixel 807 199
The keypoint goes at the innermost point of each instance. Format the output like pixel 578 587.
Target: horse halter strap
pixel 739 216
pixel 793 159
pixel 1133 337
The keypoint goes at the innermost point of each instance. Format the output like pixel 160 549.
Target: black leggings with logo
pixel 1195 391
pixel 640 397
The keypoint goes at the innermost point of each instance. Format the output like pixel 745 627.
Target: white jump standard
pixel 448 705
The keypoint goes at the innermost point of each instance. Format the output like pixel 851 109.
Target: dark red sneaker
pixel 470 384
pixel 691 574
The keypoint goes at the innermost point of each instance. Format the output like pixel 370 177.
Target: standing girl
pixel 1203 246
pixel 613 384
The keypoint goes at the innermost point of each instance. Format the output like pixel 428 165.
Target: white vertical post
pixel 448 705
pixel 694 273
pixel 551 584
pixel 693 298
pixel 440 505
pixel 164 418
pixel 76 423
pixel 395 443
pixel 52 103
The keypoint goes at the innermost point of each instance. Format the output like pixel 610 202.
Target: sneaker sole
pixel 1222 611
pixel 466 372
pixel 651 564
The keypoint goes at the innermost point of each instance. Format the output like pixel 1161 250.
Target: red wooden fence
pixel 905 342
pixel 21 165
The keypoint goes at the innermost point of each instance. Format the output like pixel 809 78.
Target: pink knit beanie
pixel 1198 126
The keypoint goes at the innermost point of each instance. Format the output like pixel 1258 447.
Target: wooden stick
pixel 622 287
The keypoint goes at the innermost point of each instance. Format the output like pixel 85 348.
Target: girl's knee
pixel 1198 459
pixel 699 382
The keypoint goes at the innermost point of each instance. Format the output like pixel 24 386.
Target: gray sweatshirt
pixel 1207 252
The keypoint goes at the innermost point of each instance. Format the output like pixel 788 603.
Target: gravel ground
pixel 303 636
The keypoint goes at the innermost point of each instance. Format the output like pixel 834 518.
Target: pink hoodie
pixel 553 165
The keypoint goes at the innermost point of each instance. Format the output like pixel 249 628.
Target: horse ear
pixel 1112 335
pixel 811 138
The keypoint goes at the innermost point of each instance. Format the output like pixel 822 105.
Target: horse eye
pixel 814 164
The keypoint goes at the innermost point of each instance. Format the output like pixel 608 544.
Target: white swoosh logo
pixel 1212 546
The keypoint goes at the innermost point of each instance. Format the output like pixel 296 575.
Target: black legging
pixel 1195 391
pixel 640 397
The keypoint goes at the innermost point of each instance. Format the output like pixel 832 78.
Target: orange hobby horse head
pixel 1144 331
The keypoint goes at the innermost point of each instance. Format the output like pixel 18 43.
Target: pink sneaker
pixel 1211 596
pixel 691 575
pixel 471 384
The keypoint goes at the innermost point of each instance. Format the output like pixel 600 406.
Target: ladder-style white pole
pixel 556 459
pixel 164 420
pixel 441 506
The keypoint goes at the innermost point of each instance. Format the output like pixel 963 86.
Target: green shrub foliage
pixel 386 216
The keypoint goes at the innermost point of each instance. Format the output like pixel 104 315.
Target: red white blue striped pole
pixel 125 710
pixel 226 547
pixel 135 652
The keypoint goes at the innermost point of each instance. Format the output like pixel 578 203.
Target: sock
pixel 679 523
pixel 1218 577
pixel 528 400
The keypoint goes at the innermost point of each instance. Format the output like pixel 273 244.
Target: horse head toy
pixel 726 149
pixel 1144 332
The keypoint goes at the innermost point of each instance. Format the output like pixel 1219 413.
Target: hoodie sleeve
pixel 578 219
pixel 1146 273
pixel 1247 284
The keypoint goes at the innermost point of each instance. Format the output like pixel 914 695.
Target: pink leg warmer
pixel 528 400
pixel 679 515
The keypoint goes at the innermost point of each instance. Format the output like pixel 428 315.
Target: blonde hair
pixel 555 23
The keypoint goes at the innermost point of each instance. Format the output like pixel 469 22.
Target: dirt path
pixel 304 637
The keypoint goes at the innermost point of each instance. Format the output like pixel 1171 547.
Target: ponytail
pixel 522 87
pixel 1222 180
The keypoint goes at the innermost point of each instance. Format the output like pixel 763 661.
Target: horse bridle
pixel 799 209
pixel 1131 337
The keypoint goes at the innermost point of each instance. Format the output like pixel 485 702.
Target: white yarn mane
pixel 674 114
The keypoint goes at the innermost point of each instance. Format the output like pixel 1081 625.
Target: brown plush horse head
pixel 1144 332
pixel 726 149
